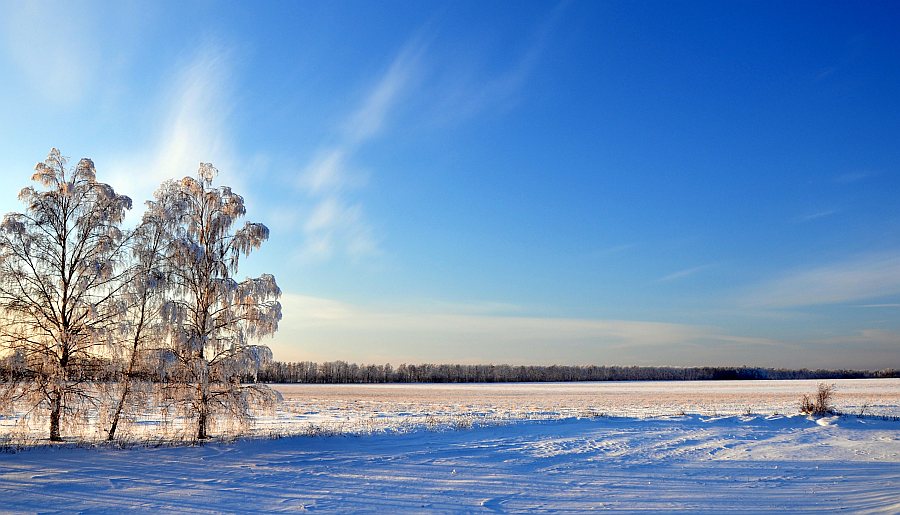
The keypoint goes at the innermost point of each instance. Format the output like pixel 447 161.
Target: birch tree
pixel 213 318
pixel 144 294
pixel 60 275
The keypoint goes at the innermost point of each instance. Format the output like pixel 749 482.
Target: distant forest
pixel 340 372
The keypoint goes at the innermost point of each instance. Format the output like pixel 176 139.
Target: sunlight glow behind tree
pixel 62 267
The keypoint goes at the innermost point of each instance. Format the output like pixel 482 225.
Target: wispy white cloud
pixel 864 336
pixel 196 129
pixel 337 224
pixel 326 173
pixel 471 307
pixel 817 215
pixel 54 45
pixel 683 274
pixel 193 128
pixel 615 249
pixel 369 119
pixel 330 329
pixel 461 92
pixel 870 348
pixel 866 276
pixel 330 178
pixel 866 348
pixel 324 329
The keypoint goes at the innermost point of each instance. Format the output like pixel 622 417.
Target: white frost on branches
pixel 97 315
pixel 211 317
pixel 62 266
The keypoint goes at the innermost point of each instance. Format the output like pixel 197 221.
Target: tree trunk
pixel 55 411
pixel 118 413
pixel 203 415
pixel 126 384
pixel 201 425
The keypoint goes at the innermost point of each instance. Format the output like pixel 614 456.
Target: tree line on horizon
pixel 153 310
pixel 341 372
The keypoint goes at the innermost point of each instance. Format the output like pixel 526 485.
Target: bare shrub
pixel 464 422
pixel 820 403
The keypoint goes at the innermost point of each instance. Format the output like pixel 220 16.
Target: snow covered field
pixel 362 409
pixel 695 463
pixel 366 408
pixel 524 447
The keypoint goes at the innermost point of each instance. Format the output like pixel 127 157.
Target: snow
pixel 695 463
pixel 561 447
pixel 366 408
pixel 315 409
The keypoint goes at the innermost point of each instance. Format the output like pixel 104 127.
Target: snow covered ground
pixel 363 409
pixel 367 408
pixel 694 463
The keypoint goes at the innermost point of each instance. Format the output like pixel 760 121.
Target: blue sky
pixel 674 183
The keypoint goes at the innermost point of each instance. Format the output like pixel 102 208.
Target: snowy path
pixel 751 464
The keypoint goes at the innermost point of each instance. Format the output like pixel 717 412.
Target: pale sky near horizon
pixel 649 183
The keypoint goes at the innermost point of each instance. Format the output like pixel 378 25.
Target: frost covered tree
pixel 61 270
pixel 143 297
pixel 212 318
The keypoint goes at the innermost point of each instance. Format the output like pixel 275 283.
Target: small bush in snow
pixel 820 404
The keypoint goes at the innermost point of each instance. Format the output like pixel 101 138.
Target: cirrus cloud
pixel 866 276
